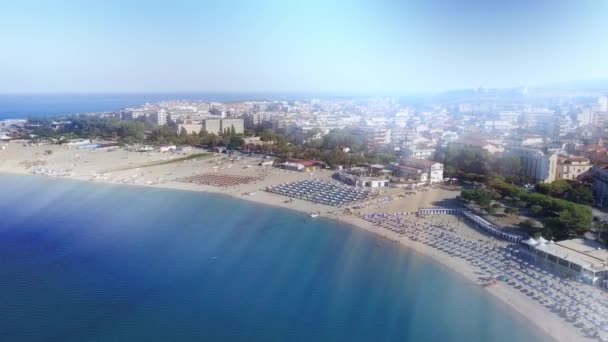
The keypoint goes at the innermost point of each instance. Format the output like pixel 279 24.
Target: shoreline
pixel 533 314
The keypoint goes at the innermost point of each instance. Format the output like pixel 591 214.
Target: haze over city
pixel 304 171
pixel 395 47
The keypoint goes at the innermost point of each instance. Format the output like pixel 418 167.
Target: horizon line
pixel 389 93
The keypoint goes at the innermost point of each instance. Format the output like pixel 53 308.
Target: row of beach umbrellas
pixel 319 191
pixel 582 305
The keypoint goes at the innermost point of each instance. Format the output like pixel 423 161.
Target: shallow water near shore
pixel 82 261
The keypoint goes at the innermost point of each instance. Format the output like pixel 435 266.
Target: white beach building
pixel 583 258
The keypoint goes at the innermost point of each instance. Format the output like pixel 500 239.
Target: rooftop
pixel 585 253
pixel 419 163
pixel 568 160
pixel 408 168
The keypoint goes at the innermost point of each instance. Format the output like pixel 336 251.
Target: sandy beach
pixel 170 170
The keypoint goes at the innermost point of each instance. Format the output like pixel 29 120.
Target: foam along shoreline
pixel 81 166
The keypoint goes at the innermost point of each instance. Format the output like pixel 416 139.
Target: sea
pixel 82 261
pixel 23 106
pixel 18 106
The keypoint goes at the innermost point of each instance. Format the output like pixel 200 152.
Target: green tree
pixel 339 138
pixel 268 135
pixel 536 209
pixel 563 219
pixel 463 161
pixel 569 190
pixel 509 166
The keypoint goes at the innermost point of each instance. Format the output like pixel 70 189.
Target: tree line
pixel 562 219
pixel 283 144
pixel 472 164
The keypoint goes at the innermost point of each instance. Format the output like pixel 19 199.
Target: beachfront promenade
pixel 497 262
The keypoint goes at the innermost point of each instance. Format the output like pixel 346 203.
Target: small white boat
pixel 313 215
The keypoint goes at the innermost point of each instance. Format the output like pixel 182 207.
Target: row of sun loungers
pixel 319 191
pixel 581 305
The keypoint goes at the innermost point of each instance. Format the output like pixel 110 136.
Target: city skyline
pixel 309 47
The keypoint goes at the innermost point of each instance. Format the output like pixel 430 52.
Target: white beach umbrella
pixel 542 240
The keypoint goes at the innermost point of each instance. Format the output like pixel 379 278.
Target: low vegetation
pixel 562 219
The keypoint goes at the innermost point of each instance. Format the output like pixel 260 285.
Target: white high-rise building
pixel 212 126
pixel 219 126
pixel 160 117
pixel 603 103
pixel 535 164
pixel 237 124
pixel 585 117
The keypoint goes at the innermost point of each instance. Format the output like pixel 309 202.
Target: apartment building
pixel 572 167
pixel 536 165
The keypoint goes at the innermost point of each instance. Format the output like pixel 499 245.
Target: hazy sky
pixel 313 46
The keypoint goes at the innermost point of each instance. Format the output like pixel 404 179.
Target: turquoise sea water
pixel 91 262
